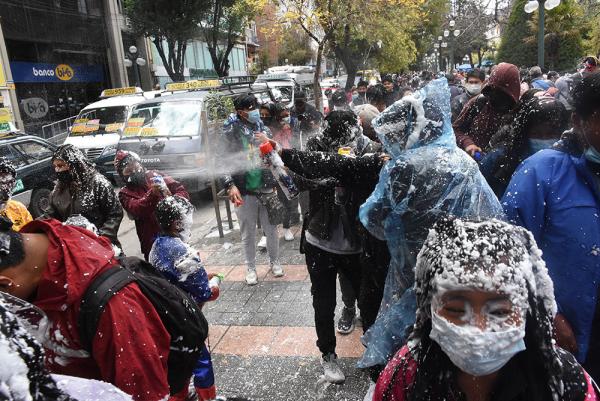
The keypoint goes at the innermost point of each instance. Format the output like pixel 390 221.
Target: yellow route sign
pixel 120 91
pixel 192 85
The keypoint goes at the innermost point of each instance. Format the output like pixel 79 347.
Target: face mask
pixel 64 176
pixel 136 179
pixel 473 89
pixel 473 351
pixel 286 120
pixel 535 145
pixel 592 155
pixel 253 116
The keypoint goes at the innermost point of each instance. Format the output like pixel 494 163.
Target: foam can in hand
pixel 277 167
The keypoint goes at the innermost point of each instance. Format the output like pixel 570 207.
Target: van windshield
pixel 102 120
pixel 165 119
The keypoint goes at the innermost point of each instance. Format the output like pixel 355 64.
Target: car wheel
pixel 40 202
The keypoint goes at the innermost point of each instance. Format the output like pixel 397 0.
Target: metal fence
pixel 58 131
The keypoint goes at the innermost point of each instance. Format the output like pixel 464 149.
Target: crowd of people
pixel 459 213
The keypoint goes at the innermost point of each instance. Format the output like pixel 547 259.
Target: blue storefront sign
pixel 42 72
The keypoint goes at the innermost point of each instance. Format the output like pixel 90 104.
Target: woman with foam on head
pixel 485 307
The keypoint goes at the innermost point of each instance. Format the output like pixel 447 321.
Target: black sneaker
pixel 346 323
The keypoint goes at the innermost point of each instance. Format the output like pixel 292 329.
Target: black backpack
pixel 178 312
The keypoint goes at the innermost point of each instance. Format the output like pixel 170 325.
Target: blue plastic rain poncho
pixel 427 177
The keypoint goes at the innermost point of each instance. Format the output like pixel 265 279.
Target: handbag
pixel 275 209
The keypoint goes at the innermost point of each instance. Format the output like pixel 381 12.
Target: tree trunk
pixel 349 60
pixel 316 84
pixel 176 76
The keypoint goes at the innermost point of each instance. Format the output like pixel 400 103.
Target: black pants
pixel 348 294
pixel 291 215
pixel 323 268
pixel 592 361
pixel 375 261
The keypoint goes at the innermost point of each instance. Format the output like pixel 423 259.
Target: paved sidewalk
pixel 262 337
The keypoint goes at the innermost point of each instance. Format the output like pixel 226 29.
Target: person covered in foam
pixel 427 177
pixel 485 307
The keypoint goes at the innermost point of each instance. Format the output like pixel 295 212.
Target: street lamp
pixel 446 33
pixel 541 6
pixel 132 60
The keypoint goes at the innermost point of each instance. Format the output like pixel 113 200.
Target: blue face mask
pixel 535 145
pixel 592 155
pixel 253 116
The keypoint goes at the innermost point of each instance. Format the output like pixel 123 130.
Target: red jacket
pixel 131 347
pixel 407 366
pixel 140 203
pixel 479 121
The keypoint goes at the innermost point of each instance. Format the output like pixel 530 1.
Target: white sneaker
pixel 370 392
pixel 251 278
pixel 288 235
pixel 277 270
pixel 331 370
pixel 263 242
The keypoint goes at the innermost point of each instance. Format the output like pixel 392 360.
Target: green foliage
pixel 563 40
pixel 219 107
pixel 170 24
pixel 295 46
pixel 513 48
pixel 224 25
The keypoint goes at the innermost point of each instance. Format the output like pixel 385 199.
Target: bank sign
pixel 41 72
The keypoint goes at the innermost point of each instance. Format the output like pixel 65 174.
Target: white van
pixel 284 85
pixel 97 129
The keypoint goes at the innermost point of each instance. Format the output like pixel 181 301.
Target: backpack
pixel 178 312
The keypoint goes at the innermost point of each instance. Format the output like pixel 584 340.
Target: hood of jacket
pixel 75 257
pixel 417 120
pixel 505 77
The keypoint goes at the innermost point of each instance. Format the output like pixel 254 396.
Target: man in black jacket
pixel 250 186
pixel 332 235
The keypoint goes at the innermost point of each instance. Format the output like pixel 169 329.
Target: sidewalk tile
pixel 349 345
pixel 247 340
pixel 295 341
pixel 292 273
pixel 215 333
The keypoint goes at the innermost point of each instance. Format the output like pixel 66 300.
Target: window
pixel 33 151
pixel 10 155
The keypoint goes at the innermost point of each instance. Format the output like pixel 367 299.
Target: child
pixel 181 265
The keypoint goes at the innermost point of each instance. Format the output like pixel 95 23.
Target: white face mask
pixel 473 89
pixel 474 351
pixel 286 120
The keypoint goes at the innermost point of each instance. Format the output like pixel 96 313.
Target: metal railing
pixel 57 131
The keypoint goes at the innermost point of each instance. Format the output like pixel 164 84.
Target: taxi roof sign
pixel 193 85
pixel 131 90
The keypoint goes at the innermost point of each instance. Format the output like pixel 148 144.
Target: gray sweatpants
pixel 248 214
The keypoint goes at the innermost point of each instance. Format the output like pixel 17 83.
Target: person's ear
pixel 6 283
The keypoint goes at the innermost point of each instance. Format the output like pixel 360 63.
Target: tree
pixel 563 41
pixel 224 25
pixel 170 24
pixel 389 24
pixel 513 48
pixel 295 46
pixel 318 19
pixel 473 20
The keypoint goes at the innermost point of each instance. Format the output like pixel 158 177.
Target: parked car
pixel 32 157
pixel 97 129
